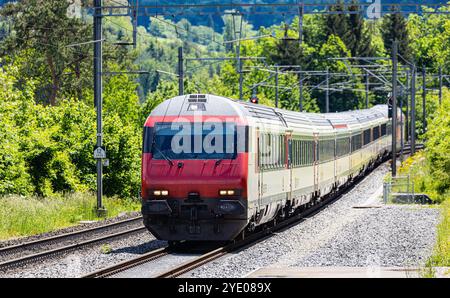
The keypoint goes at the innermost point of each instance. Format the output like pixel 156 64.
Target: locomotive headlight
pixel 160 193
pixel 227 192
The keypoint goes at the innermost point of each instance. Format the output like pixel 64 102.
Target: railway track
pixel 221 251
pixel 120 267
pixel 42 248
pixel 209 256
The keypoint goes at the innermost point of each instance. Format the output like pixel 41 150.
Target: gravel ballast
pixel 342 235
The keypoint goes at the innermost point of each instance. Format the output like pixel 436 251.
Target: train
pixel 215 168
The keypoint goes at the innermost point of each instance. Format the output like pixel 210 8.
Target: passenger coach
pixel 213 167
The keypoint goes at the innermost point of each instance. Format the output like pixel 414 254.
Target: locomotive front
pixel 194 169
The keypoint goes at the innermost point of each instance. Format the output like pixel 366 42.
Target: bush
pixel 14 177
pixel 123 148
pixel 438 147
pixel 430 169
pixel 49 149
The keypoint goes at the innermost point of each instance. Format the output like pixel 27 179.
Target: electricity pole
pixel 327 94
pixel 407 105
pixel 241 79
pixel 180 71
pixel 276 87
pixel 424 99
pixel 401 123
pixel 300 76
pixel 413 109
pixel 367 90
pixel 394 108
pixel 98 89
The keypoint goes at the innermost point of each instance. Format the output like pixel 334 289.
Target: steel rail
pixel 26 245
pixel 56 251
pixel 125 265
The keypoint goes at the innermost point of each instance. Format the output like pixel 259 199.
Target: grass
pixel 24 216
pixel 441 254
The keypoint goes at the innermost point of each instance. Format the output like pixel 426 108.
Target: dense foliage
pixel 438 147
pixel 47 126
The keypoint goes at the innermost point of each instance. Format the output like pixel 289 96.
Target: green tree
pixel 337 23
pixel 395 29
pixel 358 39
pixel 45 29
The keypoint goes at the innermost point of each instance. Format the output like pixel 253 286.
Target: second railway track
pixel 27 252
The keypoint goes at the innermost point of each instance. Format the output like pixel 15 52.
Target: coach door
pixel 259 172
pixel 289 162
pixel 316 162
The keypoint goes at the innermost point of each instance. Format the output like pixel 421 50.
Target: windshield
pixel 194 141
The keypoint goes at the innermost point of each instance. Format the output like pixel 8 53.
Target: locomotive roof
pixel 217 105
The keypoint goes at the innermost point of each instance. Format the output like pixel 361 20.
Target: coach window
pixel 261 150
pixel 302 152
pixel 306 153
pixel 270 151
pixel 376 133
pixel 264 151
pixel 367 137
pixel 276 161
pixel 383 130
pixel 326 150
pixel 293 153
pixel 280 152
pixel 342 147
pixel 310 150
pixel 276 156
pixel 356 142
pixel 389 128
